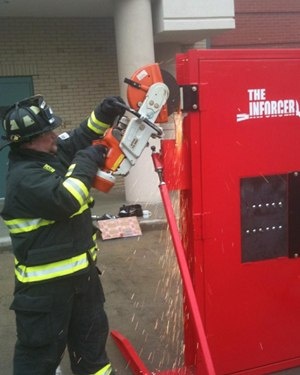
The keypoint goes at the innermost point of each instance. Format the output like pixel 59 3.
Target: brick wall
pixel 72 61
pixel 263 24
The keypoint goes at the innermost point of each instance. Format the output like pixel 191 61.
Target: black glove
pixel 96 153
pixel 109 109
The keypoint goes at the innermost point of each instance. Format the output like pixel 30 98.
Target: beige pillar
pixel 135 48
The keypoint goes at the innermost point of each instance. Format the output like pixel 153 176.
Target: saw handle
pixel 114 156
pixel 136 85
pixel 104 179
pixel 157 129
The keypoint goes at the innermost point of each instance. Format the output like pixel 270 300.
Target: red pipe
pixel 183 266
pixel 130 354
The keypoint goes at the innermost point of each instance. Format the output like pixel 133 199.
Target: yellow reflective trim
pixel 50 271
pixel 80 211
pixel 95 125
pixel 56 269
pixel 48 168
pixel 26 225
pixel 93 253
pixel 95 248
pixel 106 370
pixel 118 162
pixel 70 170
pixel 91 200
pixel 77 188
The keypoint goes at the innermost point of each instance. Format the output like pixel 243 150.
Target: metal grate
pixel 264 217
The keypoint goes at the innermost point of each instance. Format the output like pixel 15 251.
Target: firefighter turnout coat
pixel 47 206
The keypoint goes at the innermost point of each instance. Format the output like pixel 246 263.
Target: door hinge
pixel 189 98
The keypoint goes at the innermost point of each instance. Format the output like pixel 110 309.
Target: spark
pixel 265 178
pixel 168 326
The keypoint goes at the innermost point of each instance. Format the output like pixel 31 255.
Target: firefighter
pixel 58 297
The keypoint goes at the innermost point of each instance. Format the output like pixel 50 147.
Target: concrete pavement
pixel 143 292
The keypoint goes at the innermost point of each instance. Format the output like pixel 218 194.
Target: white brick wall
pixel 72 61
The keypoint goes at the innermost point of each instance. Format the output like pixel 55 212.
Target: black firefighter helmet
pixel 28 118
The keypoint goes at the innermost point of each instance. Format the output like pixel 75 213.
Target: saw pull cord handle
pixel 183 266
pixel 157 129
pixel 136 85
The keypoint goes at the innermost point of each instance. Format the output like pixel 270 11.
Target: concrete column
pixel 135 48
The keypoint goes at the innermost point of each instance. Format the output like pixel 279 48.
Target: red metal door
pixel 241 216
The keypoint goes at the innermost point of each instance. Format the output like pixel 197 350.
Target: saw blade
pixel 173 102
pixel 140 82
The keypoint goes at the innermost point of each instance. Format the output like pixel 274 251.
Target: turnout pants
pixel 57 314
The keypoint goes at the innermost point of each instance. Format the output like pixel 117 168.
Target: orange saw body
pixel 139 84
pixel 104 179
pixel 115 156
pixel 147 96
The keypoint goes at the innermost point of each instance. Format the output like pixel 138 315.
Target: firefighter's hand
pixel 109 109
pixel 96 153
